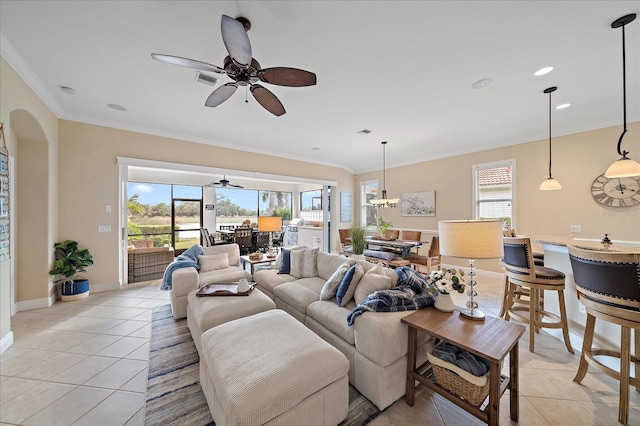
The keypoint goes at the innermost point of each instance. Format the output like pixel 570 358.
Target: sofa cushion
pixel 333 317
pixel 303 263
pixel 328 263
pixel 370 283
pixel 232 250
pixel 296 295
pixel 330 288
pixel 269 279
pixel 348 285
pixel 211 262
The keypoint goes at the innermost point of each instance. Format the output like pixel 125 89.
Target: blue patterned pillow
pixel 347 286
pixel 285 264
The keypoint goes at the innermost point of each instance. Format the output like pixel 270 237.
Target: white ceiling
pixel 401 69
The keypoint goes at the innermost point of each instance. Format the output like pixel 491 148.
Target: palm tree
pixel 133 207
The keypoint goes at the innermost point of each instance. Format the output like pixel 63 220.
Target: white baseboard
pixel 27 305
pixel 6 342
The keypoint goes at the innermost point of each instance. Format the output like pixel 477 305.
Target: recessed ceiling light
pixel 563 106
pixel 315 148
pixel 117 107
pixel 365 131
pixel 68 90
pixel 543 71
pixel 482 83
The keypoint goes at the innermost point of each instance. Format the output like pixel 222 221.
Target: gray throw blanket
pixel 463 359
pixel 188 258
pixel 411 293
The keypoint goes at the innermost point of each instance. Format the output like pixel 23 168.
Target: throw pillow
pixel 304 263
pixel 212 262
pixel 378 269
pixel 330 288
pixel 283 260
pixel 348 285
pixel 370 283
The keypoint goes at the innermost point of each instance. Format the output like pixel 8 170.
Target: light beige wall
pixel 32 116
pixel 89 181
pixel 577 160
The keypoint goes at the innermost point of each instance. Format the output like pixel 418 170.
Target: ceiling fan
pixel 243 69
pixel 224 183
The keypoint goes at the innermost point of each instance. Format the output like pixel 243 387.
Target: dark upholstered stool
pixel 523 274
pixel 608 285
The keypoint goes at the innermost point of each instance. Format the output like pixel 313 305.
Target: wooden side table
pixel 245 259
pixel 491 339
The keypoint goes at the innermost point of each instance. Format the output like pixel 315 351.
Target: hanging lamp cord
pixel 549 135
pixel 624 98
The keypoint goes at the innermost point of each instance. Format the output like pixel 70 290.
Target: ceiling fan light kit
pixel 550 184
pixel 625 166
pixel 243 69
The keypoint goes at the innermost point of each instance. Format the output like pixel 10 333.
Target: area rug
pixel 174 396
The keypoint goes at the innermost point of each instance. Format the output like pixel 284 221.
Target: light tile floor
pixel 85 363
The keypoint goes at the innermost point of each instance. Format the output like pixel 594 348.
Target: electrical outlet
pixel 581 308
pixel 575 229
pixel 104 228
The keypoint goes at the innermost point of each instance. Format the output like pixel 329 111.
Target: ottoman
pixel 270 369
pixel 207 312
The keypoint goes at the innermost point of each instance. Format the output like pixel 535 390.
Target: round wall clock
pixel 616 192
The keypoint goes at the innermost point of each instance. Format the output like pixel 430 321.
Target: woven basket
pixel 255 256
pixel 459 386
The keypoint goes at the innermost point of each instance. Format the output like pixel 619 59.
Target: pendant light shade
pixel 384 201
pixel 550 184
pixel 625 166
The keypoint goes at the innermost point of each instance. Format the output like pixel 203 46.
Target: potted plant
pixel 383 226
pixel 69 261
pixel 357 240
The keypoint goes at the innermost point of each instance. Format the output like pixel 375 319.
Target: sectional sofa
pixel 376 345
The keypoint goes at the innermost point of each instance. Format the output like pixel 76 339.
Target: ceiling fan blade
pixel 221 94
pixel 186 62
pixel 283 76
pixel 236 41
pixel 236 186
pixel 267 99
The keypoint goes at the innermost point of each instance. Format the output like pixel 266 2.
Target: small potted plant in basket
pixel 69 261
pixel 443 282
pixel 356 234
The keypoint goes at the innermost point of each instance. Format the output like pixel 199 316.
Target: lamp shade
pixel 471 239
pixel 269 223
pixel 624 167
pixel 550 184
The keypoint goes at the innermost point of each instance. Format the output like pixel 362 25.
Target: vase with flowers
pixel 444 281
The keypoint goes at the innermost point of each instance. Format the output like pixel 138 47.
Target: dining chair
pixel 207 238
pixel 523 273
pixel 345 243
pixel 608 285
pixel 243 237
pixel 431 260
pixel 412 236
pixel 262 240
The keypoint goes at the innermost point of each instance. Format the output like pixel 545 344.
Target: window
pixel 236 206
pixel 311 205
pixel 494 191
pixel 368 192
pixel 275 203
pixel 163 214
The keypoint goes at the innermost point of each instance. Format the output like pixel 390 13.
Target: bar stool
pixel 608 285
pixel 522 273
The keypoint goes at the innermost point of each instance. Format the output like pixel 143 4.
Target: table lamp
pixel 270 224
pixel 471 239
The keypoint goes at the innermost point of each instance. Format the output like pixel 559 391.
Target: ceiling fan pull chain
pixel 246 94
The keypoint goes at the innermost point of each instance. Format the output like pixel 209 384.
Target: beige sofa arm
pixel 183 281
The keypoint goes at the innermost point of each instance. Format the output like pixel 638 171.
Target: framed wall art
pixel 345 207
pixel 418 203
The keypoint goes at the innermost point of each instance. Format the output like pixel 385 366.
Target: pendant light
pixel 625 166
pixel 550 184
pixel 384 201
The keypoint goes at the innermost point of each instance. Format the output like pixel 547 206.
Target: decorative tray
pixel 224 289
